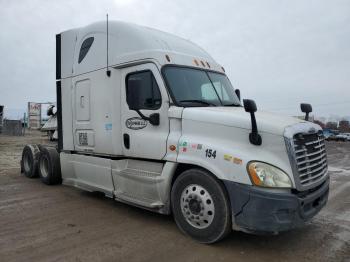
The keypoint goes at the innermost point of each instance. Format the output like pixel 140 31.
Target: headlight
pixel 266 175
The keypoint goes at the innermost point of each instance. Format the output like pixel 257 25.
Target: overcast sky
pixel 278 52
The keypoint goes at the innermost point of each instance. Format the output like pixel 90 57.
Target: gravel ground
pixel 59 223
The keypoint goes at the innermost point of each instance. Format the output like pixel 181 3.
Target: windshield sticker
pixel 199 147
pixel 135 123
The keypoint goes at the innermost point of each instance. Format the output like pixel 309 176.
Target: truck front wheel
pixel 200 206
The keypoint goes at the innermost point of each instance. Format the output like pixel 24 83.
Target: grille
pixel 310 157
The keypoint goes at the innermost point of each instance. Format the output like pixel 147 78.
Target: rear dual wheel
pixel 200 206
pixel 41 161
pixel 29 162
pixel 49 166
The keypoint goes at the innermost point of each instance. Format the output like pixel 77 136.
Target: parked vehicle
pixel 51 124
pixel 347 135
pixel 342 137
pixel 331 137
pixel 161 127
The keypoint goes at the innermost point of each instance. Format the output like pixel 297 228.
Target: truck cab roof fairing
pixel 130 42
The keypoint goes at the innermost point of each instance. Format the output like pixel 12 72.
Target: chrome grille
pixel 310 157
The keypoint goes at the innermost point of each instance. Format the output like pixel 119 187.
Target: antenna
pixel 108 72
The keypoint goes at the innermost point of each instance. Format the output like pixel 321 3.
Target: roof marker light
pixel 202 63
pixel 208 64
pixel 223 69
pixel 196 62
pixel 167 58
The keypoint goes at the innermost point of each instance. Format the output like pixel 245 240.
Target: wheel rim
pixel 27 163
pixel 197 206
pixel 44 166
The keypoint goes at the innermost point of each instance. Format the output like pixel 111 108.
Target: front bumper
pixel 257 210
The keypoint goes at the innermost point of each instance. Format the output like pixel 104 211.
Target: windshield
pixel 195 87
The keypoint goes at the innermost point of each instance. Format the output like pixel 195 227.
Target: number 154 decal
pixel 210 153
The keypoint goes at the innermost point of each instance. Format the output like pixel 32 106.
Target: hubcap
pixel 26 163
pixel 197 206
pixel 44 166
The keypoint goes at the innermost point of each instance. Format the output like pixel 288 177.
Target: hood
pixel 237 117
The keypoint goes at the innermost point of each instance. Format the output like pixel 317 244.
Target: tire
pixel 49 166
pixel 200 206
pixel 29 162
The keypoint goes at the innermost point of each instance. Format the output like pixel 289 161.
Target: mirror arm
pixel 307 116
pixel 254 136
pixel 142 115
pixel 153 118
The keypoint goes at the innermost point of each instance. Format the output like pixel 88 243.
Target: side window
pixel 150 97
pixel 85 46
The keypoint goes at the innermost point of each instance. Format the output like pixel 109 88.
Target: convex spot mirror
pixel 306 108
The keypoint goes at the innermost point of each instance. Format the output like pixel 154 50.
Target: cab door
pixel 140 138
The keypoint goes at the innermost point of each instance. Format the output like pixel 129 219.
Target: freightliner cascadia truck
pixel 152 120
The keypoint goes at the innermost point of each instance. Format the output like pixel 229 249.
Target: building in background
pixel 34 115
pixel 344 126
pixel 13 128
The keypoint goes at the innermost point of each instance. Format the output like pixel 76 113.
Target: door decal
pixel 135 123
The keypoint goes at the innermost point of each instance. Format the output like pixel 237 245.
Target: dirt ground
pixel 60 223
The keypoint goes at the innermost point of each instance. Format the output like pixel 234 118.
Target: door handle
pixel 126 139
pixel 82 101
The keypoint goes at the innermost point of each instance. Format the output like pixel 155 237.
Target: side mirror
pixel 154 119
pixel 250 107
pixel 238 94
pixel 133 94
pixel 306 108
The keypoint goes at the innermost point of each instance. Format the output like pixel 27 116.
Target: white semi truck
pixel 151 119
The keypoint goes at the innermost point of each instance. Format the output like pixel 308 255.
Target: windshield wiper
pixel 198 101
